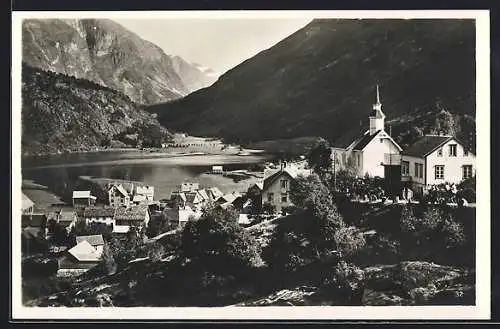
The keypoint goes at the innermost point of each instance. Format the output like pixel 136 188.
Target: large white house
pixel 433 160
pixel 371 151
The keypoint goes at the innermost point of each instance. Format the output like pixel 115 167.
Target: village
pixel 434 165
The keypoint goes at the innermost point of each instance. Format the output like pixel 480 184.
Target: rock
pixel 378 298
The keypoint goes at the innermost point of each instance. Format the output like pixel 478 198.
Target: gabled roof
pixel 203 194
pixel 119 188
pixel 26 203
pixel 274 177
pixel 81 194
pixel 137 212
pixel 33 220
pixel 31 233
pixel 214 192
pixel 95 211
pixel 94 240
pixel 259 185
pixel 365 140
pixel 425 145
pixel 180 195
pixel 84 251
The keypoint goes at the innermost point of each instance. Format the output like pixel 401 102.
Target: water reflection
pixel 165 173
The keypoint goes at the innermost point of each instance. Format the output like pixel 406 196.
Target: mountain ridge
pixel 321 81
pixel 105 52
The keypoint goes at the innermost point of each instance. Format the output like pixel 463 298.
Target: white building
pixel 434 160
pixel 147 191
pixel 27 205
pixel 371 151
pixel 83 198
pixel 276 189
pixel 118 196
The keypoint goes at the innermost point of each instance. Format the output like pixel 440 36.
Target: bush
pixel 346 282
pixel 219 243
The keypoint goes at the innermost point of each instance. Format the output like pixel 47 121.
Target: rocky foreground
pixel 408 283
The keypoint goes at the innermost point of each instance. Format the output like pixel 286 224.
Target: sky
pixel 219 44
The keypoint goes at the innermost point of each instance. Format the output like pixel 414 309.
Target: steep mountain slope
pixel 193 76
pixel 320 81
pixel 61 113
pixel 104 52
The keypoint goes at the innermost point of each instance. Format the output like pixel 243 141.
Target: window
pixel 359 159
pixel 381 140
pixel 270 197
pixel 405 168
pixel 439 172
pixel 284 197
pixel 284 183
pixel 419 170
pixel 467 171
pixel 440 152
pixel 466 152
pixel 453 150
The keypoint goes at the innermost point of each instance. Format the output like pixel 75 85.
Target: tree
pixel 315 233
pixel 319 157
pixel 108 261
pixel 219 243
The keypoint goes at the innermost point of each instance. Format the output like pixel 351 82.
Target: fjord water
pixel 165 172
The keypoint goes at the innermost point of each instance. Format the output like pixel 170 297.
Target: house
pixel 118 196
pixel 217 170
pixel 178 199
pixel 214 193
pixel 146 191
pixel 27 205
pixel 435 159
pixel 276 188
pixel 189 187
pixel 96 241
pixel 83 198
pixel 203 195
pixel 65 217
pixel 139 199
pixel 78 259
pixel 97 214
pixel 194 199
pixel 38 220
pixel 228 198
pixel 33 238
pixel 180 216
pixel 371 151
pixel 135 215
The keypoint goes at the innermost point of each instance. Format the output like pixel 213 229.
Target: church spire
pixel 377 116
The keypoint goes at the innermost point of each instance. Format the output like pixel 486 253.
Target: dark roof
pixel 137 212
pixel 31 233
pixel 33 220
pixel 94 240
pixel 349 137
pixel 274 177
pixel 94 211
pixel 365 140
pixel 426 145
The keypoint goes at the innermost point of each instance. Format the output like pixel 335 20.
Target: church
pixel 370 152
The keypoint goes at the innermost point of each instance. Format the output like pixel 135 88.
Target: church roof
pixel 367 138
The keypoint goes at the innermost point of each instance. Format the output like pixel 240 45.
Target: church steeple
pixel 377 116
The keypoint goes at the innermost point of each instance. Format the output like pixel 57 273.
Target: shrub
pixel 346 281
pixel 217 241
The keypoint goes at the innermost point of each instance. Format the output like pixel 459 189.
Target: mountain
pixel 104 52
pixel 320 81
pixel 61 113
pixel 194 76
